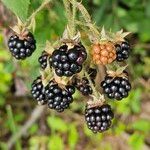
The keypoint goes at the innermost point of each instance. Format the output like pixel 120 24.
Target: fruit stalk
pixel 88 20
pixel 37 10
pixel 70 15
pixel 91 84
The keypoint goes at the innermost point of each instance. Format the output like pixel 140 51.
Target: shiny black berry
pixel 22 48
pixel 122 51
pixel 83 86
pixel 116 88
pixel 59 98
pixel 67 62
pixel 43 60
pixel 38 91
pixel 99 118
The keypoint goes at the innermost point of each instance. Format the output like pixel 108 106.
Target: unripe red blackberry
pixel 116 87
pixel 59 98
pixel 122 51
pixel 43 60
pixel 68 62
pixel 103 53
pixel 38 91
pixel 22 47
pixel 99 118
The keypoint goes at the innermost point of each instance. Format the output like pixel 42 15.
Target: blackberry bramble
pixel 103 53
pixel 83 84
pixel 59 98
pixel 122 51
pixel 22 47
pixel 38 91
pixel 116 87
pixel 67 62
pixel 43 60
pixel 99 118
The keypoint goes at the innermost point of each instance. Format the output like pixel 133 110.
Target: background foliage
pixel 55 131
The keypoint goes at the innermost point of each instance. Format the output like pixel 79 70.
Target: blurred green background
pixel 67 131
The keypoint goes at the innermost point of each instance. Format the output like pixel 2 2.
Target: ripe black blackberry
pixel 67 62
pixel 116 88
pixel 38 91
pixel 122 51
pixel 83 86
pixel 58 98
pixel 22 47
pixel 43 60
pixel 99 118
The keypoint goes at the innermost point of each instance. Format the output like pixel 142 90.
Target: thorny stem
pixel 39 9
pixel 92 85
pixel 87 19
pixel 71 15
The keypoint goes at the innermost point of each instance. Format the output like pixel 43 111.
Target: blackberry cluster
pixel 99 118
pixel 43 60
pixel 67 62
pixel 58 98
pixel 116 88
pixel 83 84
pixel 22 48
pixel 38 91
pixel 122 51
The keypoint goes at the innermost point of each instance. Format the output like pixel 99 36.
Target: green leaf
pixel 3 146
pixel 55 143
pixel 73 137
pixel 135 100
pixel 142 125
pixel 136 141
pixel 148 9
pixel 87 132
pixel 145 32
pixel 57 124
pixel 18 7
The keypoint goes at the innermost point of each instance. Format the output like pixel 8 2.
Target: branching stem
pixel 37 10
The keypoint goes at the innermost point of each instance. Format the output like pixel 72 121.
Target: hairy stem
pixel 71 15
pixel 39 9
pixel 88 20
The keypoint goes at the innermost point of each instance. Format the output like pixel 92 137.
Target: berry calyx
pixel 116 87
pixel 22 48
pixel 59 98
pixel 38 91
pixel 99 118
